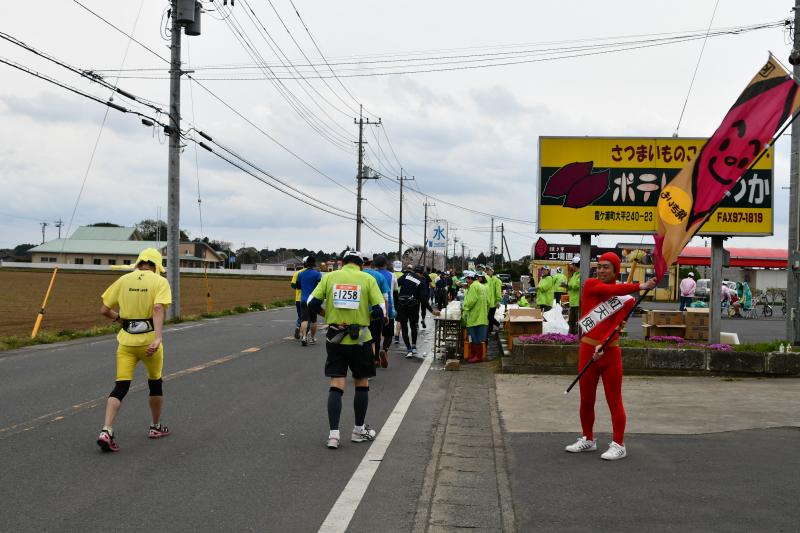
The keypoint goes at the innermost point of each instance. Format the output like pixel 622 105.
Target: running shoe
pixel 397 339
pixel 158 431
pixel 410 355
pixel 312 340
pixel 332 443
pixel 106 442
pixel 365 435
pixel 303 341
pixel 297 333
pixel 615 451
pixel 384 358
pixel 582 445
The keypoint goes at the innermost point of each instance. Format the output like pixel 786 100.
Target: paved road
pixel 247 450
pixel 704 454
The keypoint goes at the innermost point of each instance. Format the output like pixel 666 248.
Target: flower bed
pixel 654 342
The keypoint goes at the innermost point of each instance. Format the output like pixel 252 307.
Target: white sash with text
pixel 603 312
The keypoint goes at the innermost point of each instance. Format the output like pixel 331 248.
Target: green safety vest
pixel 544 291
pixel 574 289
pixel 476 306
pixel 349 295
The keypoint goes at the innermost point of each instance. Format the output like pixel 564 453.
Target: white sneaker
pixel 410 355
pixel 615 451
pixel 582 445
pixel 367 434
pixel 332 443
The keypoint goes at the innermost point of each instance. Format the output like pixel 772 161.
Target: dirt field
pixel 75 300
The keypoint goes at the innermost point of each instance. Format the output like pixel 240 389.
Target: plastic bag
pixel 554 321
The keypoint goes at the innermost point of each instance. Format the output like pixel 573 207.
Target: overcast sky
pixel 469 137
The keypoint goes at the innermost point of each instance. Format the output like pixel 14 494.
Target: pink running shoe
pixel 106 442
pixel 158 431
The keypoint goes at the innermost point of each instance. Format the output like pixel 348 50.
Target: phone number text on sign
pixel 735 216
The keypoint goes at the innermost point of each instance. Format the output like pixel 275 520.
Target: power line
pixel 528 48
pixel 510 60
pixel 294 102
pixel 271 138
pixel 291 36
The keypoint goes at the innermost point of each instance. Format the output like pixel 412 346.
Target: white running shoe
pixel 367 434
pixel 582 445
pixel 410 355
pixel 615 451
pixel 332 443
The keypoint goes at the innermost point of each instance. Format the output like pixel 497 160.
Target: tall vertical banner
pixel 694 193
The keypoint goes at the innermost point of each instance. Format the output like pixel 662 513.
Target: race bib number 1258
pixel 346 296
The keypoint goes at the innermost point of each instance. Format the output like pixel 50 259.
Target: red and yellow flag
pixel 694 193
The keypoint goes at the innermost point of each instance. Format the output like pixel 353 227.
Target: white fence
pixel 106 268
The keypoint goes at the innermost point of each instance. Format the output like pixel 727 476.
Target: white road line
pixel 345 507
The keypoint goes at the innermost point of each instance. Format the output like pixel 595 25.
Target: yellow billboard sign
pixel 612 185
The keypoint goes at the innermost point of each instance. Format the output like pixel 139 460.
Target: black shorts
pixel 408 312
pixel 306 314
pixel 358 358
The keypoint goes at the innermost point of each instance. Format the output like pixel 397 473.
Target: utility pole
pixel 463 263
pixel 360 176
pixel 58 223
pixel 502 241
pixel 425 231
pixel 793 266
pixel 400 233
pixel 184 13
pixel 43 225
pixel 491 244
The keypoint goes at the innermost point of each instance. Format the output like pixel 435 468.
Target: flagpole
pixel 605 342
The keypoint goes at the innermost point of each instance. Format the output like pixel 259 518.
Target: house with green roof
pixel 92 245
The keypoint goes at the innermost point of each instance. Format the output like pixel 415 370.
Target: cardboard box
pixel 651 330
pixel 525 312
pixel 665 318
pixel 696 333
pixel 522 325
pixel 697 317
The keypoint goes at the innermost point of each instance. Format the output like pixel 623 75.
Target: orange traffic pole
pixel 44 304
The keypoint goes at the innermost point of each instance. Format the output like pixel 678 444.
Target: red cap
pixel 612 258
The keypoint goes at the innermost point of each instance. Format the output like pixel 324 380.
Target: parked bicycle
pixel 763 300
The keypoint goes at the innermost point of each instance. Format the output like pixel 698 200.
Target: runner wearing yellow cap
pixel 141 297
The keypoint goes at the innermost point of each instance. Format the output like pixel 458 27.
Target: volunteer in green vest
pixel 351 299
pixel 559 285
pixel 544 290
pixel 494 294
pixel 574 290
pixel 475 310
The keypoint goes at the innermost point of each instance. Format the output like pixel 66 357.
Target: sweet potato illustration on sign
pixel 579 185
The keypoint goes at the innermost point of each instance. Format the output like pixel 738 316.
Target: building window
pixel 97 261
pixel 112 261
pixel 79 260
pixel 126 261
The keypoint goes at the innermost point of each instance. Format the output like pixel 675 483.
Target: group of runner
pixel 359 303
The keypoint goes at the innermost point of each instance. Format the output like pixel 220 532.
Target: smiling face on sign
pixel 727 168
pixel 738 141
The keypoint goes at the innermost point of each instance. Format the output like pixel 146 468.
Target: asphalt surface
pixel 749 330
pixel 247 450
pixel 729 482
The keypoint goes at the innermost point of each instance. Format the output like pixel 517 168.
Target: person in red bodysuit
pixel 608 363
